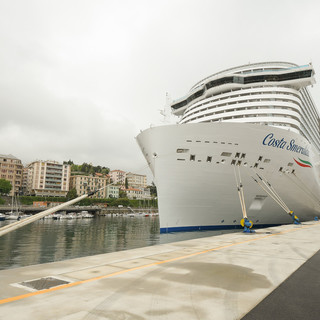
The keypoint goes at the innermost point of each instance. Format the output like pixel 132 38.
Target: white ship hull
pixel 197 187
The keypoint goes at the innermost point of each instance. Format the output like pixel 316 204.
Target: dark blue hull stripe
pixel 203 228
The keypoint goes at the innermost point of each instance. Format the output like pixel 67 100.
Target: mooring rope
pixel 268 188
pixel 240 192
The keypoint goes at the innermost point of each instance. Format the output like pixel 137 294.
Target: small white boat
pixel 2 217
pixel 71 215
pixel 87 216
pixel 13 215
pixel 57 216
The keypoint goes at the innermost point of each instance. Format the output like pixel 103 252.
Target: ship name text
pixel 272 141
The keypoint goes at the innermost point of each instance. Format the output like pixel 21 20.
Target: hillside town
pixel 53 179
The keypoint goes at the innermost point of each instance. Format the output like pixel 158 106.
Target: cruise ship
pixel 246 146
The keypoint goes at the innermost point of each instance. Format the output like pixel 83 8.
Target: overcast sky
pixel 79 79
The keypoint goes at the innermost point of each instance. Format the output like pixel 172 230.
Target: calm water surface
pixel 53 240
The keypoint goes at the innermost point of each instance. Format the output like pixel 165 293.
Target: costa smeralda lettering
pixel 271 141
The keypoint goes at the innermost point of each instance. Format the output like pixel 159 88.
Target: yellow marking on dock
pixel 72 284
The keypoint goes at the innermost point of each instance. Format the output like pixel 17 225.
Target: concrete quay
pixel 270 274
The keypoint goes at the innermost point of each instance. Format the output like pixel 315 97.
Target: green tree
pixel 126 183
pixel 86 168
pixel 122 194
pixel 105 170
pixel 153 189
pixel 74 167
pixel 5 186
pixel 72 194
pixel 121 201
pixel 70 162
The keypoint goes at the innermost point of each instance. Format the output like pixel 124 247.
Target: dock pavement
pixel 270 274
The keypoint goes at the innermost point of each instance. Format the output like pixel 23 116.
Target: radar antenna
pixel 165 112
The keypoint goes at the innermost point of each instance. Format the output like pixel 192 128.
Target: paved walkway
pixel 221 277
pixel 296 298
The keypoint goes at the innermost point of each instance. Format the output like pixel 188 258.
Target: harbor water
pixel 55 240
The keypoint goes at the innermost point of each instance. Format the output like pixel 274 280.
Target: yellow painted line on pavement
pixel 68 285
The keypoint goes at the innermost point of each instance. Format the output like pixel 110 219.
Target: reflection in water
pixel 53 240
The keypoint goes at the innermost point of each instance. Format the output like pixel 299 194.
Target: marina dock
pixel 270 274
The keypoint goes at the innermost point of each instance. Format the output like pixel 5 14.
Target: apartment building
pixel 136 180
pixel 47 178
pixel 112 191
pixel 118 176
pixel 138 194
pixel 83 184
pixel 11 169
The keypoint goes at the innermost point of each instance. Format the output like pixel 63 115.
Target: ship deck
pixel 270 274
